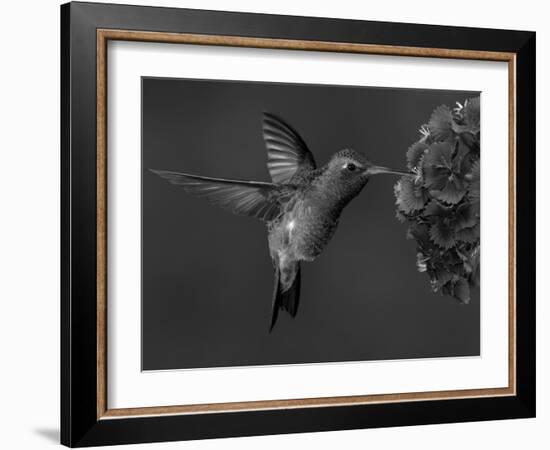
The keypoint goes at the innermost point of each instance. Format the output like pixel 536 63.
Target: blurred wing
pixel 255 199
pixel 287 153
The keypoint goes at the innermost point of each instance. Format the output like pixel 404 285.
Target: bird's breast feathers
pixel 303 232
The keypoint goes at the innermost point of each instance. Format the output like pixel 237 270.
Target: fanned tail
pixel 286 290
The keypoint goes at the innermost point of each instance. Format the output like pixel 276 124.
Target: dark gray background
pixel 207 276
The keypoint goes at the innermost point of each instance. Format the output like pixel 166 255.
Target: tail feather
pixel 286 299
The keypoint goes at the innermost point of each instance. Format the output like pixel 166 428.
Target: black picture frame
pixel 80 424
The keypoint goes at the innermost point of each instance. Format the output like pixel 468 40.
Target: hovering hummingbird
pixel 301 207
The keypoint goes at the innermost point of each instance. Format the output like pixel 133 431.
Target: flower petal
pixel 415 152
pixel 442 235
pixel 410 197
pixel 461 291
pixel 469 235
pixel 471 114
pixel 465 216
pixel 439 155
pixel 441 123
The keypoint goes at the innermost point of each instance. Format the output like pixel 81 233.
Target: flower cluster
pixel 440 203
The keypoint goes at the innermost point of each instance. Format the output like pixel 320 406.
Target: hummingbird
pixel 301 206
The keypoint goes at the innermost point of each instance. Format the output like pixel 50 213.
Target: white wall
pixel 29 223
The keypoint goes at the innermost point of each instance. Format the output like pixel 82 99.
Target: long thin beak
pixel 374 170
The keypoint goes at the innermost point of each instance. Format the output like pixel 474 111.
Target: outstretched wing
pixel 249 198
pixel 287 153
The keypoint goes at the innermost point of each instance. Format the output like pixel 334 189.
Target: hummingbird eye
pixel 351 167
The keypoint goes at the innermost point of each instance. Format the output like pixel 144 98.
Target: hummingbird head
pixel 349 171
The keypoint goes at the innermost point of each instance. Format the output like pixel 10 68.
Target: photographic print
pixel 297 224
pixel 272 224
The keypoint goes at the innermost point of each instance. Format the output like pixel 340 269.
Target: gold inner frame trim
pixel 103 36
